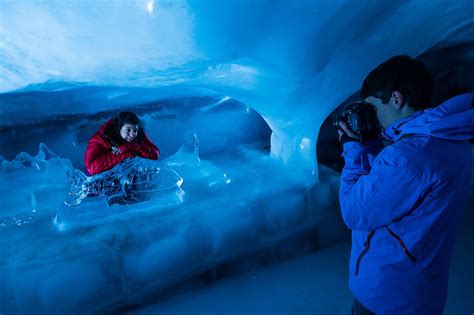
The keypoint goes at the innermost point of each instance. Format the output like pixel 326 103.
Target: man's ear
pixel 398 99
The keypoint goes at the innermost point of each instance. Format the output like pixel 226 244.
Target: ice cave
pixel 242 211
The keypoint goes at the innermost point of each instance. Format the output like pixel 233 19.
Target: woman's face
pixel 129 132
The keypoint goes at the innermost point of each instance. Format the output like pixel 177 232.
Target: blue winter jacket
pixel 404 206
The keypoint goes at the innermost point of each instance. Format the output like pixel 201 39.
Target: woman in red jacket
pixel 118 139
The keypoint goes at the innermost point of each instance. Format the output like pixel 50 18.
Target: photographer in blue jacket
pixel 404 201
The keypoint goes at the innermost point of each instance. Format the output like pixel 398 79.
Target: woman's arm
pixel 99 156
pixel 145 149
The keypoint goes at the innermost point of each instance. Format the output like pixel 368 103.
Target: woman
pixel 118 139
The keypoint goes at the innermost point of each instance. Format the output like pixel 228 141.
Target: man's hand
pixel 346 134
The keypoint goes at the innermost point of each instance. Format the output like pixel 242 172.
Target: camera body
pixel 361 118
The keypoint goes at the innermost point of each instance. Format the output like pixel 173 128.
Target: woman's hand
pixel 131 147
pixel 116 150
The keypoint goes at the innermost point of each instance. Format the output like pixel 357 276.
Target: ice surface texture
pixel 31 186
pixel 200 174
pixel 136 179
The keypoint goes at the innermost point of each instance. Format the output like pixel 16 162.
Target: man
pixel 404 202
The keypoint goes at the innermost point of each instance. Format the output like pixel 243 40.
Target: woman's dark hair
pixel 404 74
pixel 112 132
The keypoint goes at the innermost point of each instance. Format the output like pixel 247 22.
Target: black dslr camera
pixel 361 118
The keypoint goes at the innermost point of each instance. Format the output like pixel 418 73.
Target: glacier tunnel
pixel 255 84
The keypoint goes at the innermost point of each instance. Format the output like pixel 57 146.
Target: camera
pixel 361 118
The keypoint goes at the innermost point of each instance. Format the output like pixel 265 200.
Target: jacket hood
pixel 105 125
pixel 453 120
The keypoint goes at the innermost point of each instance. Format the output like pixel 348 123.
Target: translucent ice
pixel 132 181
pixel 31 185
pixel 197 174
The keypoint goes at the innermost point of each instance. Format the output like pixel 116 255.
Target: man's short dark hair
pixel 404 74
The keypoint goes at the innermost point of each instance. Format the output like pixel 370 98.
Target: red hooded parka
pixel 99 157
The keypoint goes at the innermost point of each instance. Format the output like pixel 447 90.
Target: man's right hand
pixel 346 134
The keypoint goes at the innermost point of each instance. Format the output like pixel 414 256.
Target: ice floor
pixel 313 284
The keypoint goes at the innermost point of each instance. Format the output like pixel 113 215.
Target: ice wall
pixel 291 61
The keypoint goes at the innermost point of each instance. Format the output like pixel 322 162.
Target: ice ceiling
pixel 293 62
